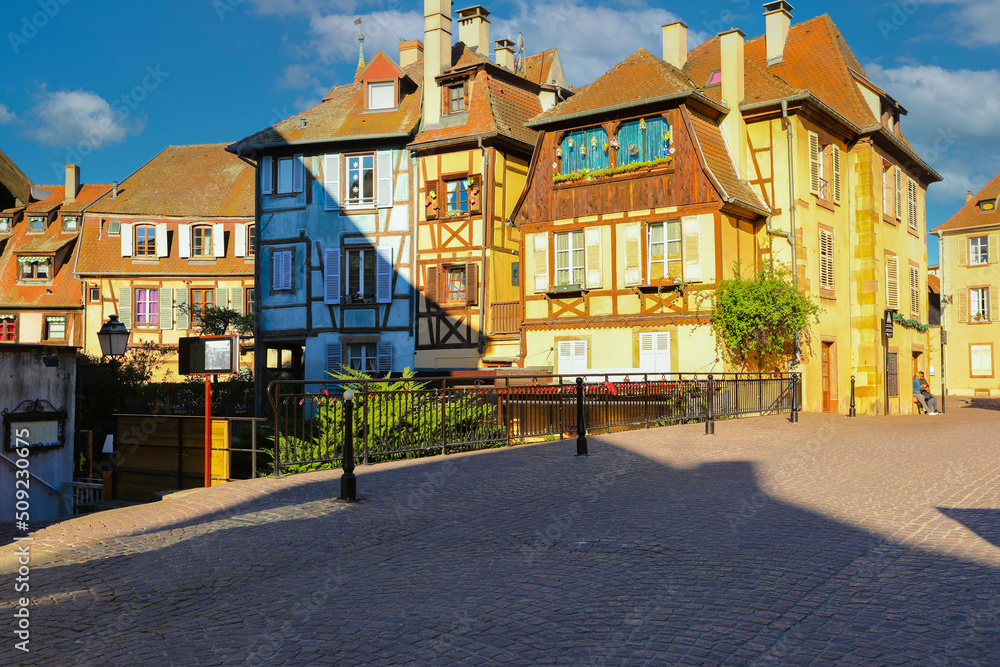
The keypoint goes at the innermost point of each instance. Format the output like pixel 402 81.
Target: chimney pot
pixel 675 37
pixel 777 21
pixel 731 51
pixel 437 55
pixel 474 28
pixel 410 51
pixel 505 53
pixel 968 195
pixel 72 182
pixel 114 190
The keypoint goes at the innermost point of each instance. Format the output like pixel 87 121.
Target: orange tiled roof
pixel 759 84
pixel 538 66
pixel 970 216
pixel 641 76
pixel 341 114
pixel 186 181
pixel 720 163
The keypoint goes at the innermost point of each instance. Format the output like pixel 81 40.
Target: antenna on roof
pixel 519 65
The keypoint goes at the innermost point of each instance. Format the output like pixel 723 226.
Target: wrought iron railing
pixel 395 419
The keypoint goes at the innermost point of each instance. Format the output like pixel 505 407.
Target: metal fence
pixel 396 418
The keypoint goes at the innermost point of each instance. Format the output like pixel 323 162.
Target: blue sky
pixel 108 84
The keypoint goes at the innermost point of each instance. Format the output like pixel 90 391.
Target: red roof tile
pixel 970 215
pixel 186 181
pixel 719 162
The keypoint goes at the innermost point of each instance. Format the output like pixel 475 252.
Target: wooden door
pixel 826 354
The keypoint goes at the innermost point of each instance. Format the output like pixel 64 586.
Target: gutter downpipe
pixel 791 214
pixel 486 186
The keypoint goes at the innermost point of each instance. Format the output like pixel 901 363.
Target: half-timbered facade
pixel 633 210
pixel 174 238
pixel 335 251
pixel 472 157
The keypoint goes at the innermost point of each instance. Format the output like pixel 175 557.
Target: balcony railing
pixel 505 317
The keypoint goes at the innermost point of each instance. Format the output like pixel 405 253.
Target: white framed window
pixel 360 275
pixel 70 223
pixel 979 304
pixel 572 358
pixel 4 225
pixel 382 95
pixel 55 328
pixel 361 180
pixel 979 252
pixel 147 308
pixel 981 360
pixel 286 171
pixel 36 225
pixel 281 271
pixel 363 357
pixel 664 251
pixel 654 352
pixel 570 259
pixel 456 281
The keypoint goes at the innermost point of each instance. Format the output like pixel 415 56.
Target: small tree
pixel 755 319
pixel 225 321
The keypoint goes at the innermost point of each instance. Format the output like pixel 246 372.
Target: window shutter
pixel 126 240
pixel 331 276
pixel 892 282
pixel 661 342
pixel 161 240
pixel 826 274
pixel 579 356
pixel 915 291
pixel 383 274
pixel 125 306
pixel 963 251
pixel 633 255
pixel 183 314
pixel 564 361
pixel 184 240
pixel 994 313
pixel 963 305
pixel 476 200
pixel 333 355
pixel 432 204
pixel 221 297
pixel 286 269
pixel 836 174
pixel 986 359
pixel 899 192
pixel 592 240
pixel 814 164
pixel 277 267
pixel 994 249
pixel 331 182
pixel 166 308
pixel 265 176
pixel 383 185
pixel 541 262
pixel 298 172
pixel 691 229
pixel 911 203
pixel 240 243
pixel 384 357
pixel 236 299
pixel 472 284
pixel 431 288
pixel 219 240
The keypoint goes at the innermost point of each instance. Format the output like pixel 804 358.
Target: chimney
pixel 114 190
pixel 675 39
pixel 72 182
pixel 505 53
pixel 733 125
pixel 437 55
pixel 777 19
pixel 474 28
pixel 968 196
pixel 410 51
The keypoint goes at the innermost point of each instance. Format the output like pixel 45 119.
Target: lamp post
pixel 113 338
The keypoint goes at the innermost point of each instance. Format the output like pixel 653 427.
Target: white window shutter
pixel 892 282
pixel 333 355
pixel 184 240
pixel 240 244
pixel 815 166
pixel 276 269
pixel 183 314
pixel 162 249
pixel 286 270
pixel 298 173
pixel 219 240
pixel 691 229
pixel 221 297
pixel 125 306
pixel 899 192
pixel 126 239
pixel 963 251
pixel 836 174
pixel 266 167
pixel 166 308
pixel 383 274
pixel 633 255
pixel 564 362
pixel 384 357
pixel 383 185
pixel 579 356
pixel 963 305
pixel 647 353
pixel 331 181
pixel 331 276
pixel 661 347
pixel 541 262
pixel 595 274
pixel 236 299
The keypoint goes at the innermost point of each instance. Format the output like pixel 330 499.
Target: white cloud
pixel 976 22
pixel 335 37
pixel 298 75
pixel 6 116
pixel 70 117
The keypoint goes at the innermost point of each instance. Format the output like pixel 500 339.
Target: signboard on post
pixel 888 323
pixel 208 355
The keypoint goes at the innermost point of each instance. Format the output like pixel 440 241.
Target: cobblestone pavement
pixel 867 541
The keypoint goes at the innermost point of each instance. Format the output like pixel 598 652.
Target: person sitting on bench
pixel 921 392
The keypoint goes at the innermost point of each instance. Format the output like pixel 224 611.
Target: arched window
pixel 643 140
pixel 201 241
pixel 584 149
pixel 145 241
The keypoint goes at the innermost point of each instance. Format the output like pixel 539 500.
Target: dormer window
pixel 4 225
pixel 456 98
pixel 715 78
pixel 35 269
pixel 145 241
pixel 114 227
pixel 70 223
pixel 36 224
pixel 382 95
pixel 987 205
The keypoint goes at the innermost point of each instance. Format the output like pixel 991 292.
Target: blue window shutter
pixel 656 143
pixel 629 135
pixel 597 157
pixel 572 160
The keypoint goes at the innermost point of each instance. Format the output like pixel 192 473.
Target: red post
pixel 208 431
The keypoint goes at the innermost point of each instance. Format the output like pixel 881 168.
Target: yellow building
pixel 176 237
pixel 970 285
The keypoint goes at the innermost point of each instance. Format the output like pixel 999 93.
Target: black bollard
pixel 348 482
pixel 710 407
pixel 581 429
pixel 852 412
pixel 795 398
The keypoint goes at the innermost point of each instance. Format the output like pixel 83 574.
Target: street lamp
pixel 113 337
